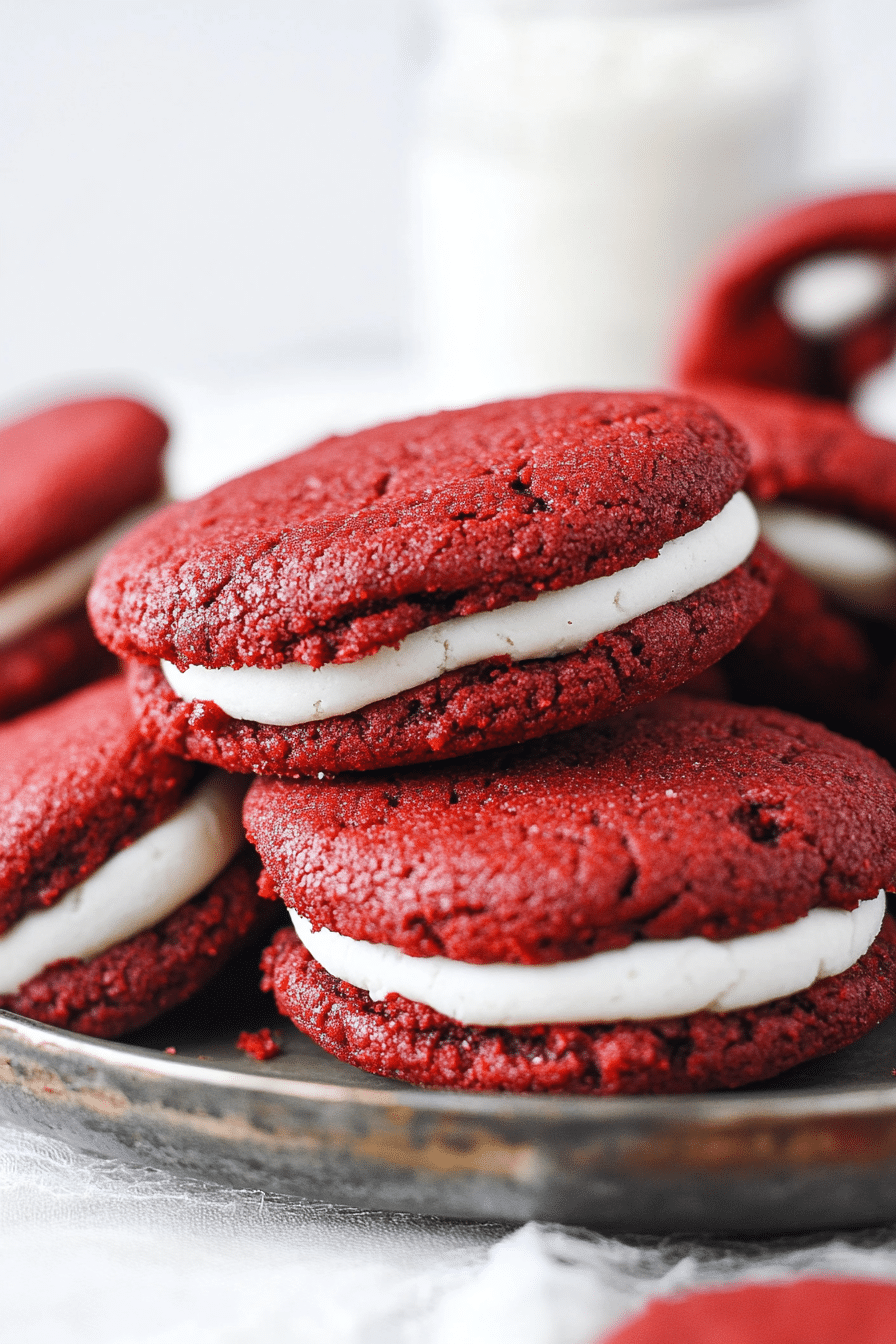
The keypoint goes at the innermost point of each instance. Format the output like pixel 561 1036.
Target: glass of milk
pixel 579 161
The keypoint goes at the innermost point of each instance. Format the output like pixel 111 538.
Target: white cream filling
pixel 853 561
pixel 27 603
pixel 642 981
pixel 826 294
pixel 134 889
pixel 553 623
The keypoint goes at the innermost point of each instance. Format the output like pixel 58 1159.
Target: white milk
pixel 579 163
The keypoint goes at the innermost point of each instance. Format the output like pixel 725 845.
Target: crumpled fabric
pixel 99 1250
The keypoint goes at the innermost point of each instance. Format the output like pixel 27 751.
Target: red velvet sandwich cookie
pixel 439 586
pixel 827 485
pixel 75 477
pixel 124 877
pixel 824 484
pixel 804 302
pixel 686 897
pixel 825 490
pixel 808 1311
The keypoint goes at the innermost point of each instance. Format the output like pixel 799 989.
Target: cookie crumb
pixel 260 1044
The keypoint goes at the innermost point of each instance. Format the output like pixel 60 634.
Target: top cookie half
pixel 331 584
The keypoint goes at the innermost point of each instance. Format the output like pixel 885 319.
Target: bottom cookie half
pixel 408 1041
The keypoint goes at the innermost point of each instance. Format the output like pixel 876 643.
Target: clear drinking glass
pixel 578 162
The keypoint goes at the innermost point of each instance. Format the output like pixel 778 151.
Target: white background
pixel 216 190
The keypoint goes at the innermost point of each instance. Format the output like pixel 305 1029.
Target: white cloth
pixel 102 1251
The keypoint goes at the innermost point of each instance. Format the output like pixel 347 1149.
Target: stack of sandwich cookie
pixel 125 880
pixel 686 897
pixel 75 478
pixel 441 586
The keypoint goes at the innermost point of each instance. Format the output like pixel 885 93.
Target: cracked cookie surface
pixel 355 543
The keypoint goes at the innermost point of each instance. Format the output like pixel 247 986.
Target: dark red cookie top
pixel 351 545
pixel 811 450
pixel 684 818
pixel 69 472
pixel 809 1311
pixel 735 329
pixel 77 783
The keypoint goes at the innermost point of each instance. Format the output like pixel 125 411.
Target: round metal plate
pixel 815 1148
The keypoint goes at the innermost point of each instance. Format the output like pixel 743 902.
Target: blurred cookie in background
pixel 808 1311
pixel 804 302
pixel 76 477
pixel 825 491
pixel 786 330
pixel 809 656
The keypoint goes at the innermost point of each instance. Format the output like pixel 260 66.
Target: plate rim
pixel 797 1103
